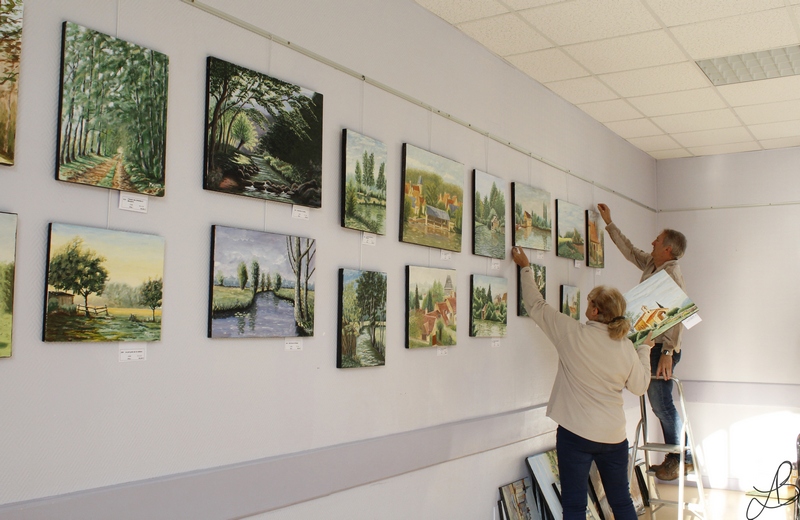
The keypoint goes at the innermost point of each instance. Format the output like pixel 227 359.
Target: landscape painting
pixel 595 236
pixel 263 136
pixel 569 228
pixel 533 217
pixel 571 301
pixel 540 276
pixel 262 284
pixel 518 500
pixel 489 218
pixel 656 305
pixel 431 307
pixel 8 251
pixel 103 285
pixel 362 319
pixel 10 46
pixel 489 307
pixel 546 482
pixel 433 200
pixel 363 183
pixel 112 127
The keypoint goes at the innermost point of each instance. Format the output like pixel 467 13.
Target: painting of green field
pixel 10 45
pixel 362 319
pixel 571 301
pixel 540 276
pixel 430 307
pixel 533 217
pixel 103 285
pixel 596 237
pixel 433 200
pixel 112 126
pixel 363 183
pixel 569 229
pixel 8 250
pixel 488 306
pixel 489 217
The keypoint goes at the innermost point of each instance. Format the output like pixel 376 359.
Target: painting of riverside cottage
pixel 363 183
pixel 431 307
pixel 362 319
pixel 262 284
pixel 10 45
pixel 433 200
pixel 8 249
pixel 489 218
pixel 569 228
pixel 263 136
pixel 595 239
pixel 489 307
pixel 657 304
pixel 540 276
pixel 103 285
pixel 533 214
pixel 112 123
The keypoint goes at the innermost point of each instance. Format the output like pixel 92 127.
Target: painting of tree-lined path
pixel 8 248
pixel 364 183
pixel 362 319
pixel 263 136
pixel 112 127
pixel 103 285
pixel 10 43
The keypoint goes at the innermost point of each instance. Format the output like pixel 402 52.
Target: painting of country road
pixel 112 126
pixel 363 183
pixel 362 319
pixel 10 46
pixel 8 249
pixel 657 304
pixel 262 284
pixel 263 136
pixel 103 285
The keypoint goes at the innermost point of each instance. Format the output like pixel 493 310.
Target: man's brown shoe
pixel 669 469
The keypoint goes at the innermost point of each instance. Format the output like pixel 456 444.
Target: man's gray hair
pixel 676 240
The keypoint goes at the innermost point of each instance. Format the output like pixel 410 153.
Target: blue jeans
pixel 660 394
pixel 575 456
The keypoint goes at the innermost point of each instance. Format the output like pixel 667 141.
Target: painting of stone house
pixel 571 301
pixel 533 214
pixel 595 235
pixel 656 305
pixel 431 309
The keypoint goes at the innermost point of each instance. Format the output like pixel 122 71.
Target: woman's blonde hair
pixel 611 305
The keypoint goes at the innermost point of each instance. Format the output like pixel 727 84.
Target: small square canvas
pixel 363 183
pixel 569 228
pixel 518 500
pixel 489 216
pixel 103 285
pixel 433 200
pixel 8 252
pixel 540 275
pixel 362 319
pixel 489 306
pixel 10 46
pixel 656 305
pixel 430 307
pixel 533 214
pixel 571 301
pixel 595 238
pixel 262 284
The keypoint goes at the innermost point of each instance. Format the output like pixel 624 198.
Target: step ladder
pixel 699 509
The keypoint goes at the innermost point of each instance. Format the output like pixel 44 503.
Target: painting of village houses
pixel 595 234
pixel 489 307
pixel 433 199
pixel 569 228
pixel 656 305
pixel 364 183
pixel 8 248
pixel 540 276
pixel 362 319
pixel 431 307
pixel 571 301
pixel 489 222
pixel 533 214
pixel 262 284
pixel 103 285
pixel 10 46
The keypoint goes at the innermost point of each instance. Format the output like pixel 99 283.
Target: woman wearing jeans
pixel 595 362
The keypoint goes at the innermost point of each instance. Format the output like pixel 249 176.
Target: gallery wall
pixel 231 428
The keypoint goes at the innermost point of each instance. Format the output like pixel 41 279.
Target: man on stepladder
pixel 668 247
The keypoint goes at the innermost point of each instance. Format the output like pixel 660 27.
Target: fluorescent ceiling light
pixel 774 63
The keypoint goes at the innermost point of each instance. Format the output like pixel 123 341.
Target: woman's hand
pixel 519 256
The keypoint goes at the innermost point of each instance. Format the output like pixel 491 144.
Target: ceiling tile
pixel 739 34
pixel 678 102
pixel 670 154
pixel 627 52
pixel 682 12
pixel 776 130
pixel 695 121
pixel 656 80
pixel 785 142
pixel 756 92
pixel 634 128
pixel 548 65
pixel 505 34
pixel 769 112
pixel 527 4
pixel 581 90
pixel 713 137
pixel 721 149
pixel 654 143
pixel 614 110
pixel 586 20
pixel 456 11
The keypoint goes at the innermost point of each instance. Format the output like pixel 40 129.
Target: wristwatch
pixel 666 352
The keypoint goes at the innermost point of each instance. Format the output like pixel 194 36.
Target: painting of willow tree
pixel 10 42
pixel 8 248
pixel 362 319
pixel 263 136
pixel 112 128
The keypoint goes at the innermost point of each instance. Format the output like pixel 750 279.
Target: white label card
pixel 300 213
pixel 598 272
pixel 133 352
pixel 441 351
pixel 369 239
pixel 539 255
pixel 133 202
pixel 577 264
pixel 691 321
pixel 446 255
pixel 495 342
pixel 495 264
pixel 294 344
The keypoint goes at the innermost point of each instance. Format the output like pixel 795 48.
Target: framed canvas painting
pixel 362 319
pixel 657 304
pixel 262 284
pixel 571 301
pixel 263 136
pixel 540 275
pixel 489 215
pixel 103 285
pixel 533 217
pixel 518 500
pixel 430 307
pixel 112 126
pixel 546 481
pixel 8 252
pixel 569 228
pixel 488 316
pixel 595 237
pixel 10 46
pixel 363 183
pixel 433 199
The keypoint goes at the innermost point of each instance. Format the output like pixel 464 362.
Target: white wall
pixel 242 421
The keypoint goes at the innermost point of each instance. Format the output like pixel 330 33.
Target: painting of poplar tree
pixel 362 319
pixel 263 136
pixel 113 113
pixel 10 41
pixel 8 248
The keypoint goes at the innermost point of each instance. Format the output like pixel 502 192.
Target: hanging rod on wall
pixel 386 88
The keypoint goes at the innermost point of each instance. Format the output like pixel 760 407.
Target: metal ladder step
pixel 664 448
